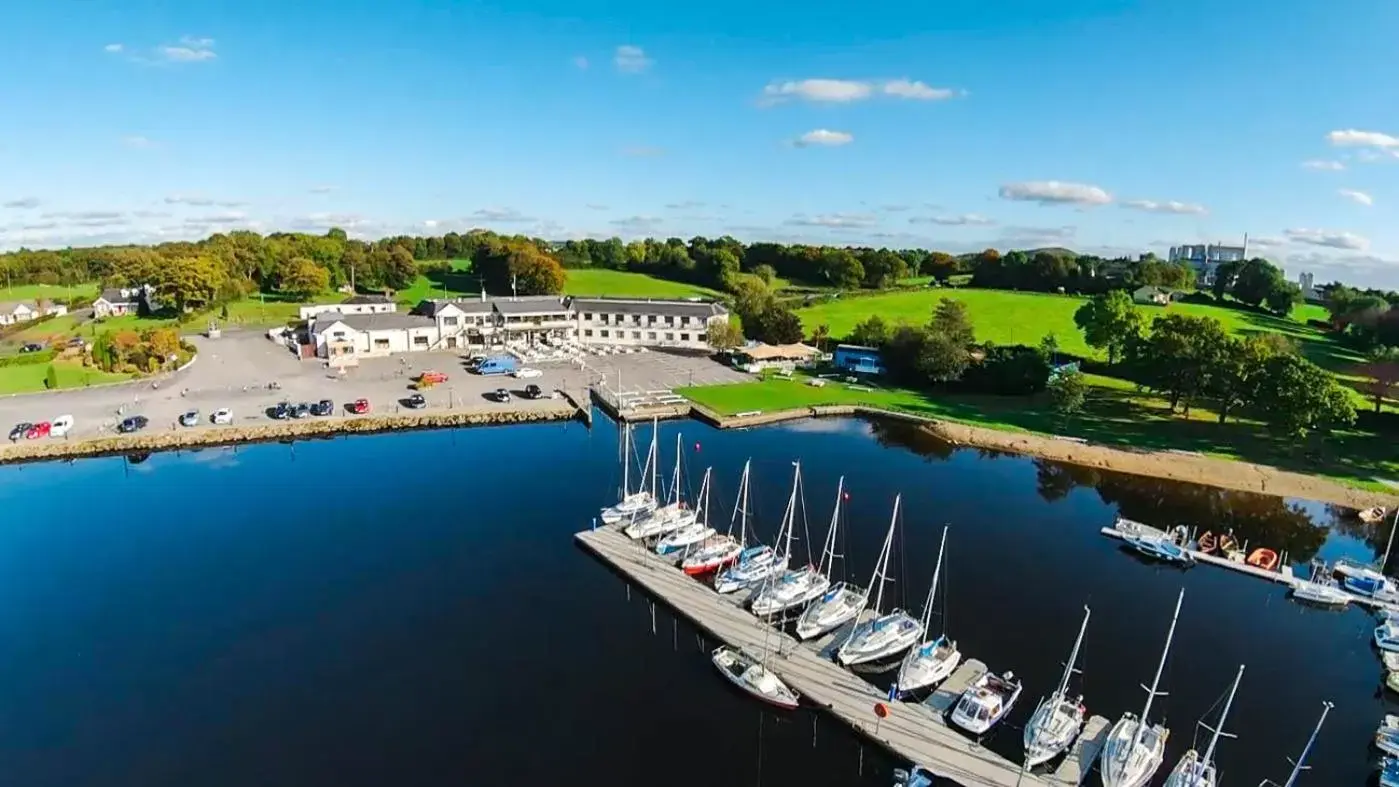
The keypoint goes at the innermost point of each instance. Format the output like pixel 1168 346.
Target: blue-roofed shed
pixel 859 359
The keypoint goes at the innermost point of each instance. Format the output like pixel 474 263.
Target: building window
pixel 338 335
pixel 651 335
pixel 702 337
pixel 650 319
pixel 636 334
pixel 588 332
pixel 588 316
pixel 449 321
pixel 670 337
pixel 669 320
pixel 381 344
pixel 419 341
pixel 684 337
pixel 604 334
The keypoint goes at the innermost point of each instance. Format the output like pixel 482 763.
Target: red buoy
pixel 881 710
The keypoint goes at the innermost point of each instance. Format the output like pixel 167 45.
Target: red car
pixel 38 430
pixel 359 406
pixel 432 378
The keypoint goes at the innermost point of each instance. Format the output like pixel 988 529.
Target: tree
pixel 521 265
pixel 1300 397
pixel 776 325
pixel 724 336
pixel 1179 356
pixel 399 270
pixel 872 332
pixel 1283 297
pixel 190 282
pixel 1049 348
pixel 820 335
pixel 940 265
pixel 766 273
pixel 164 342
pixel 1067 392
pixel 1110 322
pixel 1236 381
pixel 943 358
pixel 1382 367
pixel 950 319
pixel 842 269
pixel 304 278
pixel 51 378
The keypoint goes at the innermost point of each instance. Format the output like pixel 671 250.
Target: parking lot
pixel 235 372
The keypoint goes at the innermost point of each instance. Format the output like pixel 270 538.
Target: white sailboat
pixel 798 588
pixel 1320 589
pixel 932 661
pixel 1194 769
pixel 694 533
pixel 631 504
pixel 1370 580
pixel 719 551
pixel 882 636
pixel 1059 718
pixel 1135 747
pixel 753 677
pixel 845 600
pixel 759 563
pixel 1300 764
pixel 669 517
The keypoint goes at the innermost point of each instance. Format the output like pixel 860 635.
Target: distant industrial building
pixel 1307 283
pixel 1206 258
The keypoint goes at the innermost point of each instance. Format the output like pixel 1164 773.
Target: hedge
pixel 29 359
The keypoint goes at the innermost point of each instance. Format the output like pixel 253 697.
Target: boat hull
pixel 1191 772
pixel 775 599
pixel 838 607
pixel 989 691
pixel 710 560
pixel 1320 594
pixel 1132 756
pixel 745 574
pixel 754 679
pixel 636 505
pixel 927 665
pixel 1053 728
pixel 683 539
pixel 879 639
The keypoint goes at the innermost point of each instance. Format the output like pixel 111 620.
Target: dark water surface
pixel 410 609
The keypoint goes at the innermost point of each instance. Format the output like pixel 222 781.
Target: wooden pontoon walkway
pixel 914 731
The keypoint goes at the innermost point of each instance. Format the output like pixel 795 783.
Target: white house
pixel 653 323
pixel 11 313
pixel 1150 294
pixel 359 304
pixel 118 301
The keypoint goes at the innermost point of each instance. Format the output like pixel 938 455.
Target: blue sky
pixel 1102 125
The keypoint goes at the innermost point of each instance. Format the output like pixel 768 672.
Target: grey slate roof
pixel 113 295
pixel 531 304
pixel 9 307
pixel 327 318
pixel 430 308
pixel 698 309
pixel 359 300
pixel 387 321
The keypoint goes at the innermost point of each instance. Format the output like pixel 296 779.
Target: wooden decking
pixel 914 731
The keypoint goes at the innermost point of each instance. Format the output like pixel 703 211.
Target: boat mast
pixel 789 519
pixel 881 568
pixel 1387 547
pixel 1151 693
pixel 1298 767
pixel 741 509
pixel 626 460
pixel 933 591
pixel 828 551
pixel 1218 731
pixel 652 459
pixel 702 506
pixel 675 479
pixel 1073 655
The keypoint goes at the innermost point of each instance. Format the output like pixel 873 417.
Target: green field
pixel 30 292
pixel 625 284
pixel 25 379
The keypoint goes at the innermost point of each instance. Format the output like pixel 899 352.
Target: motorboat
pixel 750 675
pixel 1371 585
pixel 1387 735
pixel 884 635
pixel 717 551
pixel 986 702
pixel 1135 747
pixel 1387 636
pixel 696 532
pixel 844 601
pixel 1163 548
pixel 1299 764
pixel 1320 589
pixel 758 564
pixel 797 588
pixel 1129 527
pixel 932 660
pixel 631 505
pixel 1059 718
pixel 1263 558
pixel 1390 659
pixel 1391 680
pixel 1371 515
pixel 1370 578
pixel 1195 769
pixel 672 516
pixel 1389 772
pixel 916 776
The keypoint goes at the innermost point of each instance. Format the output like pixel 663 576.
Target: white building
pixel 119 301
pixel 1306 282
pixel 1205 258
pixel 11 313
pixel 359 304
pixel 683 324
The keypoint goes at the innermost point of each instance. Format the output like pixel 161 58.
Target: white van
pixel 61 426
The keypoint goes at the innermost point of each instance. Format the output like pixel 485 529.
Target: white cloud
pixel 1358 197
pixel 581 63
pixel 23 203
pixel 822 137
pixel 113 48
pixel 1371 155
pixel 1263 242
pixel 631 59
pixel 834 220
pixel 1331 239
pixel 637 224
pixel 1037 236
pixel 1328 165
pixel 500 216
pixel 844 91
pixel 596 206
pixel 1362 139
pixel 137 142
pixel 894 208
pixel 216 221
pixel 430 224
pixel 1170 206
pixel 1054 192
pixel 198 201
pixel 964 220
pixel 190 49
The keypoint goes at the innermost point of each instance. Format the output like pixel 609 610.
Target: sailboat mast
pixel 828 550
pixel 882 565
pixel 1156 681
pixel 702 506
pixel 1298 767
pixel 626 460
pixel 933 591
pixel 790 519
pixel 654 458
pixel 1073 655
pixel 1387 547
pixel 1229 703
pixel 743 506
pixel 675 479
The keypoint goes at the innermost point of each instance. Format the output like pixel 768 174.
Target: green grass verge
pixel 626 284
pixel 27 379
pixel 53 292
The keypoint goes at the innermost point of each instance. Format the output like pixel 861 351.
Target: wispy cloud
pixel 89 218
pixel 1358 197
pixel 688 204
pixel 964 220
pixel 198 201
pixel 596 206
pixel 1055 192
pixel 114 49
pixel 1331 239
pixel 824 138
pixel 834 220
pixel 1169 206
pixel 845 91
pixel 631 59
pixel 638 223
pixel 190 49
pixel 1363 139
pixel 1037 236
pixel 1325 165
pixel 501 216
pixel 321 189
pixel 23 203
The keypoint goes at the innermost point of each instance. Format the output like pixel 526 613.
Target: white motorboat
pixel 668 518
pixel 1320 589
pixel 1130 527
pixel 1059 718
pixel 1300 764
pixel 986 701
pixel 882 636
pixel 1195 769
pixel 758 564
pixel 753 677
pixel 631 505
pixel 719 551
pixel 846 600
pixel 1135 747
pixel 694 533
pixel 799 588
pixel 1387 735
pixel 1387 636
pixel 1368 579
pixel 933 660
pixel 1389 772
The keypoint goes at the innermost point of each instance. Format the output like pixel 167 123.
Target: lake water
pixel 410 609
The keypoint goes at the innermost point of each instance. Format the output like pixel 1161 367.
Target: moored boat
pixel 1162 548
pixel 631 505
pixel 1391 680
pixel 1371 515
pixel 1195 769
pixel 1299 764
pixel 1320 589
pixel 750 675
pixel 759 563
pixel 1059 718
pixel 1389 772
pixel 1135 747
pixel 1387 636
pixel 933 660
pixel 668 518
pixel 986 702
pixel 1207 542
pixel 1263 558
pixel 846 600
pixel 798 588
pixel 881 637
pixel 1229 548
pixel 719 551
pixel 689 536
pixel 1387 735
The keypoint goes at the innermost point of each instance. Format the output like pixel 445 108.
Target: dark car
pixel 190 418
pixel 20 430
pixel 501 395
pixel 323 407
pixel 133 424
pixel 416 401
pixel 281 412
pixel 301 410
pixel 31 348
pixel 533 391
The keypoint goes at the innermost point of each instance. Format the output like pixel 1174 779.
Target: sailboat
pixel 669 517
pixel 1300 764
pixel 753 677
pixel 882 636
pixel 631 504
pixel 1059 718
pixel 759 563
pixel 1320 589
pixel 932 661
pixel 797 588
pixel 693 533
pixel 845 600
pixel 1135 747
pixel 719 551
pixel 1195 770
pixel 1370 580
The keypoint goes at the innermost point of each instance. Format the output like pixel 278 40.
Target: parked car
pixel 501 395
pixel 78 342
pixel 31 348
pixel 190 418
pixel 432 378
pixel 359 406
pixel 301 410
pixel 534 392
pixel 222 416
pixel 61 425
pixel 38 430
pixel 20 429
pixel 281 412
pixel 525 373
pixel 416 401
pixel 323 407
pixel 133 424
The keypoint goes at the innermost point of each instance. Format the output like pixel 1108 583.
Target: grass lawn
pixel 24 379
pixel 626 284
pixel 30 292
pixel 1115 414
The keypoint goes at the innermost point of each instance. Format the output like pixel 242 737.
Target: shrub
pixel 29 359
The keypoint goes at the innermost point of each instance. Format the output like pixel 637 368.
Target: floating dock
pixel 914 731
